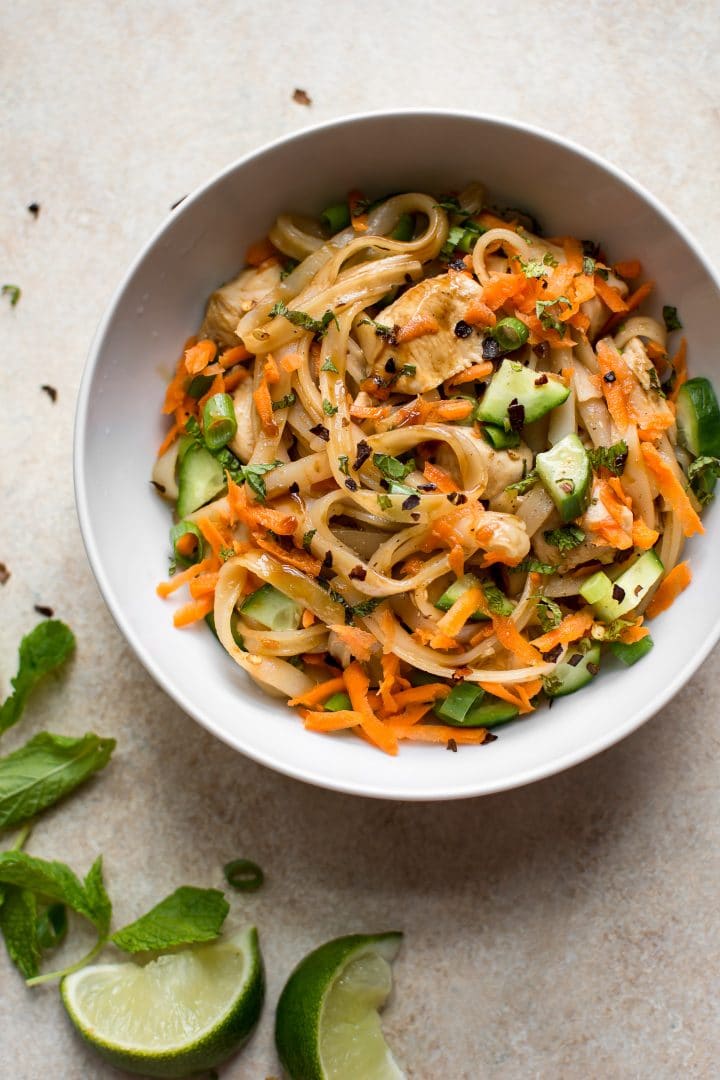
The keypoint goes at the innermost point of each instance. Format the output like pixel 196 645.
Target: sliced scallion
pixel 184 553
pixel 404 229
pixel 510 334
pixel 219 423
pixel 243 875
pixel 336 217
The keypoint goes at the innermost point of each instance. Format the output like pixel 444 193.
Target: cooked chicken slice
pixel 435 356
pixel 228 304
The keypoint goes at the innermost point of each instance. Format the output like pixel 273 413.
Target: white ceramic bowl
pixel 160 303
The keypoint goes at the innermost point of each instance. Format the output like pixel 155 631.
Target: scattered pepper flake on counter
pixel 50 391
pixel 301 97
pixel 13 292
pixel 178 201
pixel 34 209
pixel 44 610
pixel 4 573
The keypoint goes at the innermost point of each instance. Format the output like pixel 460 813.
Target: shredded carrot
pixel 670 588
pixel 437 476
pixel 502 692
pixel 643 537
pixel 476 371
pixel 299 559
pixel 215 537
pixel 203 585
pixel 370 412
pixel 572 627
pixel 308 618
pixel 485 631
pixel 291 363
pixel 501 289
pixel 479 314
pixel 233 356
pixel 192 612
pixel 263 404
pixel 234 378
pixel 409 716
pixel 455 618
pixel 391 670
pixel 418 326
pixel 672 490
pixel 165 588
pixel 419 695
pixel 258 252
pixel 359 220
pixel 169 439
pixel 456 560
pixel 655 351
pixel 614 390
pixel 257 514
pixel 679 363
pixel 197 357
pixel 357 684
pixel 439 733
pixel 456 409
pixel 319 693
pixel 317 660
pixel 631 302
pixel 271 370
pixel 511 639
pixel 340 720
pixel 360 642
pixel 631 634
pixel 610 296
pixel 628 269
pixel 217 386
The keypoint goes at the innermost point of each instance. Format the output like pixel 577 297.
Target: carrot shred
pixel 500 691
pixel 670 588
pixel 419 695
pixel 628 269
pixel 643 537
pixel 437 476
pixel 511 639
pixel 192 612
pixel 456 409
pixel 258 252
pixel 391 670
pixel 455 618
pixel 631 634
pixel 572 627
pixel 439 733
pixel 501 289
pixel 169 439
pixel 359 220
pixel 409 716
pixel 299 559
pixel 672 490
pixel 257 514
pixel 610 296
pixel 216 538
pixel 370 412
pixel 203 584
pixel 479 314
pixel 418 326
pixel 631 302
pixel 197 357
pixel 475 371
pixel 165 588
pixel 234 355
pixel 679 363
pixel 457 560
pixel 291 363
pixel 357 684
pixel 360 642
pixel 263 404
pixel 308 618
pixel 271 370
pixel 234 378
pixel 340 720
pixel 614 390
pixel 320 693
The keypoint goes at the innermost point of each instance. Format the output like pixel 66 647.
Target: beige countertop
pixel 568 929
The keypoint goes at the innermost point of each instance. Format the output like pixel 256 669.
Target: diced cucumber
pixel 499 438
pixel 630 654
pixel 536 392
pixel 337 702
pixel 271 608
pixel 573 673
pixel 566 473
pixel 612 599
pixel 200 479
pixel 469 581
pixel 489 714
pixel 698 418
pixel 458 703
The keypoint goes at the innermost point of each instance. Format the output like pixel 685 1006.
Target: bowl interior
pixel 160 304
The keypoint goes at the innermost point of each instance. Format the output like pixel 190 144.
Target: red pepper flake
pixel 4 573
pixel 50 391
pixel 516 414
pixel 451 745
pixel 42 609
pixel 301 97
pixel 489 737
pixel 34 208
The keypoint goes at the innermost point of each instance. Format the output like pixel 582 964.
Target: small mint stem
pixel 38 980
pixel 21 838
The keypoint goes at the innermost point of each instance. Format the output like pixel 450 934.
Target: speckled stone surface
pixel 569 929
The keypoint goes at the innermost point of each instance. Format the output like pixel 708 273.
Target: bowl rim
pixel 306 773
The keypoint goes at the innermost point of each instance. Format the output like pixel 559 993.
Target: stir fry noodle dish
pixel 431 468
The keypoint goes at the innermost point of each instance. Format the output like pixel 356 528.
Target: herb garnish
pixel 186 917
pixel 534 566
pixel 307 538
pixel 366 607
pixel 328 365
pixel 384 502
pixel 41 651
pixel 344 464
pixel 302 319
pixel 565 538
pixel 612 458
pixel 288 267
pixel 533 268
pixel 521 487
pixel 548 320
pixel 548 613
pixel 391 467
pixel 328 408
pixel 407 369
pixel 670 317
pixel 13 292
pixel 285 402
pixel 703 474
pixel 383 331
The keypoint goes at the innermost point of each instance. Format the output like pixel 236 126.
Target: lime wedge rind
pixel 309 1004
pixel 111 1004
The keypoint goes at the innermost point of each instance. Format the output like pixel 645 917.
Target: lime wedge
pixel 327 1025
pixel 181 1013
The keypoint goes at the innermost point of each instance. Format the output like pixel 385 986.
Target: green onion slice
pixel 510 333
pixel 219 423
pixel 194 555
pixel 243 875
pixel 336 217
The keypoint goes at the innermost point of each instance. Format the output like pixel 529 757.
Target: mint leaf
pixel 45 770
pixel 496 599
pixel 565 538
pixel 302 319
pixel 187 916
pixel 391 467
pixel 97 899
pixel 253 477
pixel 671 318
pixel 18 924
pixel 703 473
pixel 366 607
pixel 548 613
pixel 41 651
pixel 612 458
pixel 534 566
pixel 54 880
pixel 52 926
